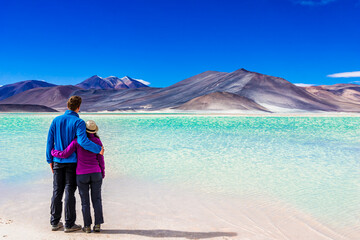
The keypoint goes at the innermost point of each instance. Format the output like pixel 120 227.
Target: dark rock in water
pixel 19 87
pixel 221 101
pixel 24 108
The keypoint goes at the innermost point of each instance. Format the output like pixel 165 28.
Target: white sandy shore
pixel 243 113
pixel 143 210
pixel 277 112
pixel 304 114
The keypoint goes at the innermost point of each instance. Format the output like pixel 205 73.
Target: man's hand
pixel 102 150
pixel 52 167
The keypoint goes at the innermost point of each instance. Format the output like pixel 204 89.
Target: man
pixel 63 130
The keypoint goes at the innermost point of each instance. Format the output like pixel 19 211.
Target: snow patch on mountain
pixel 143 81
pixel 303 84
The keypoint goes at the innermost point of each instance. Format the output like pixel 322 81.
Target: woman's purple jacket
pixel 87 162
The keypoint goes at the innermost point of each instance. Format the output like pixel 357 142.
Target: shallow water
pixel 311 163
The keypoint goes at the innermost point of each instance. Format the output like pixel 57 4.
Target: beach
pixel 195 177
pixel 224 120
pixel 138 210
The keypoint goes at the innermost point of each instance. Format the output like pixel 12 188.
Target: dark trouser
pixel 93 181
pixel 64 180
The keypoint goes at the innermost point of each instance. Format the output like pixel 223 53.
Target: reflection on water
pixel 310 162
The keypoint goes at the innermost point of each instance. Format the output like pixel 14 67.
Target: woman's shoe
pixel 87 229
pixel 57 226
pixel 75 227
pixel 97 228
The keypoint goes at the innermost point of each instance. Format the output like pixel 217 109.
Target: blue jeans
pixel 86 182
pixel 64 179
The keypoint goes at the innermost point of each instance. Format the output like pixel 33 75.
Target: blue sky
pixel 163 42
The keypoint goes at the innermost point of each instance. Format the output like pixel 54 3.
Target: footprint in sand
pixel 3 221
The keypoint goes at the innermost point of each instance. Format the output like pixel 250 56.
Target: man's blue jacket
pixel 63 130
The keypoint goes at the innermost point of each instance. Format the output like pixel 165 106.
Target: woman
pixel 90 171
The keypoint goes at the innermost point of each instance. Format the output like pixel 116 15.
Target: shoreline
pixel 136 209
pixel 223 191
pixel 224 114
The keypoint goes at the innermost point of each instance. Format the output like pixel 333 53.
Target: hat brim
pixel 92 131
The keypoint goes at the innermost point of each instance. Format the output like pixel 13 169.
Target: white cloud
pixel 345 75
pixel 1 85
pixel 304 84
pixel 313 2
pixel 143 82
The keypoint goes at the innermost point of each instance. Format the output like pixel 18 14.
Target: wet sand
pixel 145 210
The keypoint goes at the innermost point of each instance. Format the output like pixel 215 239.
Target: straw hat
pixel 91 127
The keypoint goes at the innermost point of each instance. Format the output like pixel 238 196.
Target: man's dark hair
pixel 74 102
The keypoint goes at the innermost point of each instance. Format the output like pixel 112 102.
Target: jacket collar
pixel 70 112
pixel 90 135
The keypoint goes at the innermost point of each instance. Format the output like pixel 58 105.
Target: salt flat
pixel 138 210
pixel 175 176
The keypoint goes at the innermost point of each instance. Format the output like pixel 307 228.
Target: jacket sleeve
pixel 50 143
pixel 101 161
pixel 100 158
pixel 83 140
pixel 66 152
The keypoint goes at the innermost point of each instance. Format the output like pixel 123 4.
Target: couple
pixel 85 168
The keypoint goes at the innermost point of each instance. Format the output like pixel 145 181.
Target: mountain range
pixel 211 91
pixel 112 82
pixel 16 88
pixel 24 108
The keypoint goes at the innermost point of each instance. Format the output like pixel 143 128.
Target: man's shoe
pixel 97 228
pixel 57 226
pixel 74 228
pixel 87 229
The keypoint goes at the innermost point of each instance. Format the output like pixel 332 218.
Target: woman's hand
pixel 52 167
pixel 102 150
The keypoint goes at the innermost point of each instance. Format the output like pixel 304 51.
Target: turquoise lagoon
pixel 311 163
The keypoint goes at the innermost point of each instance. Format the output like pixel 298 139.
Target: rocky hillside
pixel 241 89
pixel 19 87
